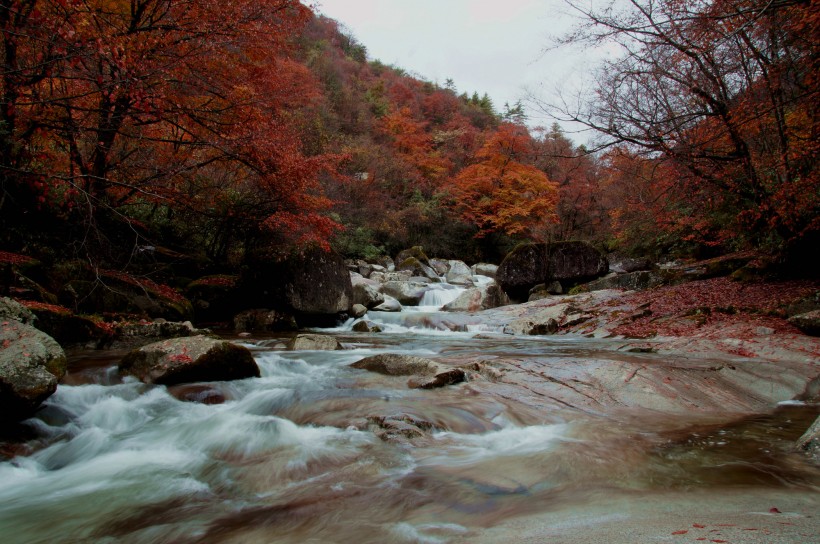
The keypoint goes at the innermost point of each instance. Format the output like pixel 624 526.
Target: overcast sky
pixel 492 46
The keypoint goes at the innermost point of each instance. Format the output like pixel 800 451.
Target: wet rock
pixel 459 274
pixel 366 326
pixel 394 364
pixel 440 266
pixel 810 442
pixel 539 321
pixel 313 342
pixel 809 322
pixel 390 304
pixel 366 291
pixel 202 394
pixel 479 298
pixel 531 264
pixel 264 320
pixel 417 268
pixel 407 293
pixel 484 269
pixel 427 374
pixel 137 334
pixel 442 379
pixel 31 364
pixel 399 427
pixel 357 310
pixel 188 360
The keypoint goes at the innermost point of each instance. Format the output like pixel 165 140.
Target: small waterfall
pixel 438 295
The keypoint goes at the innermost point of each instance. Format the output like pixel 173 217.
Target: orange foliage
pixel 500 192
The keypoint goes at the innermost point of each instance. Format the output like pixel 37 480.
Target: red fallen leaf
pixel 698 526
pixel 719 541
pixel 774 510
pixel 682 532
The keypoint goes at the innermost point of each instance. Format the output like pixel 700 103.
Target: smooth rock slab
pixel 187 360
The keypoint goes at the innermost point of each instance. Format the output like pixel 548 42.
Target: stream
pixel 315 451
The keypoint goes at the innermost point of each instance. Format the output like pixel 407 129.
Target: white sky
pixel 492 46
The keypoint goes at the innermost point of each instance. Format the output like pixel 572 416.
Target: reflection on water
pixel 316 451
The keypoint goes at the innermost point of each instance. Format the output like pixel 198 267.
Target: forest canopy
pixel 229 131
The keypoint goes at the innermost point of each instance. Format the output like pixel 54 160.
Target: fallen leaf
pixel 682 532
pixel 774 510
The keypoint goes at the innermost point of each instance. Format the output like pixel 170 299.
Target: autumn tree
pixel 728 91
pixel 500 192
pixel 150 107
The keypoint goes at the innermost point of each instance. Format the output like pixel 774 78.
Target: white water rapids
pixel 294 456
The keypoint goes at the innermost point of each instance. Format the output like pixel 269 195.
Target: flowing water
pixel 314 451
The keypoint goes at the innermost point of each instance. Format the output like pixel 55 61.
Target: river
pixel 315 451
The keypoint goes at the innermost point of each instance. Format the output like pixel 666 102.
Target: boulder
pixel 407 293
pixel 138 334
pixel 417 268
pixel 11 309
pixel 187 360
pixel 426 374
pixel 484 269
pixel 416 252
pixel 31 364
pixel 386 262
pixel 629 264
pixel 479 298
pixel 440 266
pixel 357 310
pixel 394 364
pixel 318 342
pixel 530 264
pixel 390 304
pixel 365 291
pixel 366 326
pixel 459 273
pixel 264 320
pixel 310 283
pixel 634 281
pixel 809 322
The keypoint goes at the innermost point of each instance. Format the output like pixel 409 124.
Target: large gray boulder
pixel 459 273
pixel 366 291
pixel 407 293
pixel 479 298
pixel 531 264
pixel 417 268
pixel 187 360
pixel 390 304
pixel 31 364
